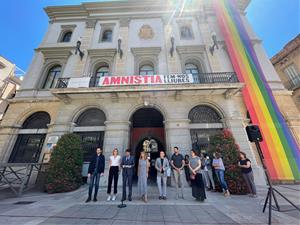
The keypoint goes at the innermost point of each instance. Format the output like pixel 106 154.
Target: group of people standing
pixel 198 171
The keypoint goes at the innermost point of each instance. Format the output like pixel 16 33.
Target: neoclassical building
pixel 146 70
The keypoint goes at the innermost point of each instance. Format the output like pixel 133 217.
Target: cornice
pixel 55 52
pixel 190 49
pixel 109 52
pixel 146 51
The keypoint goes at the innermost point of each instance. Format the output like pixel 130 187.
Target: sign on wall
pixel 146 80
pixel 77 82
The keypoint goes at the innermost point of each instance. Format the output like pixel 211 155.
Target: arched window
pixel 38 120
pixel 107 36
pixel 90 127
pixel 91 117
pixel 204 114
pixel 205 122
pixel 186 32
pixel 191 68
pixel 31 139
pixel 146 70
pixel 66 36
pixel 52 77
pixel 102 71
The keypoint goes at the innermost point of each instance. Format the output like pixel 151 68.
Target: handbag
pixel 168 172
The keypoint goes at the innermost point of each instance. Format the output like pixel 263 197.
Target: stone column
pixel 178 134
pixel 116 136
pixel 120 66
pixel 85 43
pixel 173 62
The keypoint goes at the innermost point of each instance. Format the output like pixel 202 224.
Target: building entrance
pixel 147 134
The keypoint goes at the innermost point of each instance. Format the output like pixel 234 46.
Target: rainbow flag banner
pixel 280 149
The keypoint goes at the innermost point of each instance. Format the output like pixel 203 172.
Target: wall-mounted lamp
pixel 215 43
pixel 78 44
pixel 172 46
pixel 120 51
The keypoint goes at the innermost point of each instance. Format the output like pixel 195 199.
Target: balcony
pixel 203 78
pixel 292 84
pixel 176 85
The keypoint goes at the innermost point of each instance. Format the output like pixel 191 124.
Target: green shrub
pixel 65 165
pixel 224 143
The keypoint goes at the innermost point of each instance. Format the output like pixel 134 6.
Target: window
pixel 52 77
pixel 204 114
pixel 107 36
pixel 102 71
pixel 29 144
pixel 291 72
pixel 192 69
pixel 186 32
pixel 67 37
pixel 146 70
pixel 91 117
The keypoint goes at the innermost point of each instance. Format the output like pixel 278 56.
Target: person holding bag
pixel 163 170
pixel 198 190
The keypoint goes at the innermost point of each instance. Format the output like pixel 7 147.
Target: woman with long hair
pixel 220 171
pixel 198 190
pixel 143 170
pixel 245 165
pixel 113 175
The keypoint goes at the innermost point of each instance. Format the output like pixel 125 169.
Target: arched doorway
pixel 31 139
pixel 147 129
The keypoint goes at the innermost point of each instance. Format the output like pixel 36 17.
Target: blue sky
pixel 23 24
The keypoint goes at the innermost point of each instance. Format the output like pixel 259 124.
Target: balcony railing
pixel 292 84
pixel 202 78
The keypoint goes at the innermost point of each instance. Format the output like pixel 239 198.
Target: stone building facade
pixel 9 84
pixel 61 91
pixel 287 65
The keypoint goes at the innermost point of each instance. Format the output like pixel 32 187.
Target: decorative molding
pixel 142 51
pixel 192 49
pixel 68 27
pixel 107 53
pixel 146 32
pixel 90 23
pixel 124 22
pixel 56 52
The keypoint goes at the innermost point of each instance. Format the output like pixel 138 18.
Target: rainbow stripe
pixel 280 150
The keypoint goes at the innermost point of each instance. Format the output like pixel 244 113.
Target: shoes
pixel 160 197
pixel 114 198
pixel 88 200
pixel 164 198
pixel 226 193
pixel 95 199
pixel 108 198
pixel 129 199
pixel 182 197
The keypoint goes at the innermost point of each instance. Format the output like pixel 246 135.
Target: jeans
pixel 208 175
pixel 162 184
pixel 178 176
pixel 249 178
pixel 113 175
pixel 220 175
pixel 94 180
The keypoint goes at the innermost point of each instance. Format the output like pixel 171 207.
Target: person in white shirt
pixel 114 168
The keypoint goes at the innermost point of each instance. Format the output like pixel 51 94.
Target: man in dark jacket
pixel 127 165
pixel 96 169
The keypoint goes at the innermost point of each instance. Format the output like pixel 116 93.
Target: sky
pixel 24 23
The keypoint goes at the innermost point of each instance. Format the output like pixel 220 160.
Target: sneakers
pixel 114 198
pixel 88 200
pixel 226 193
pixel 108 198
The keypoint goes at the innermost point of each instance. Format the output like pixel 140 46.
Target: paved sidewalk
pixel 69 208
